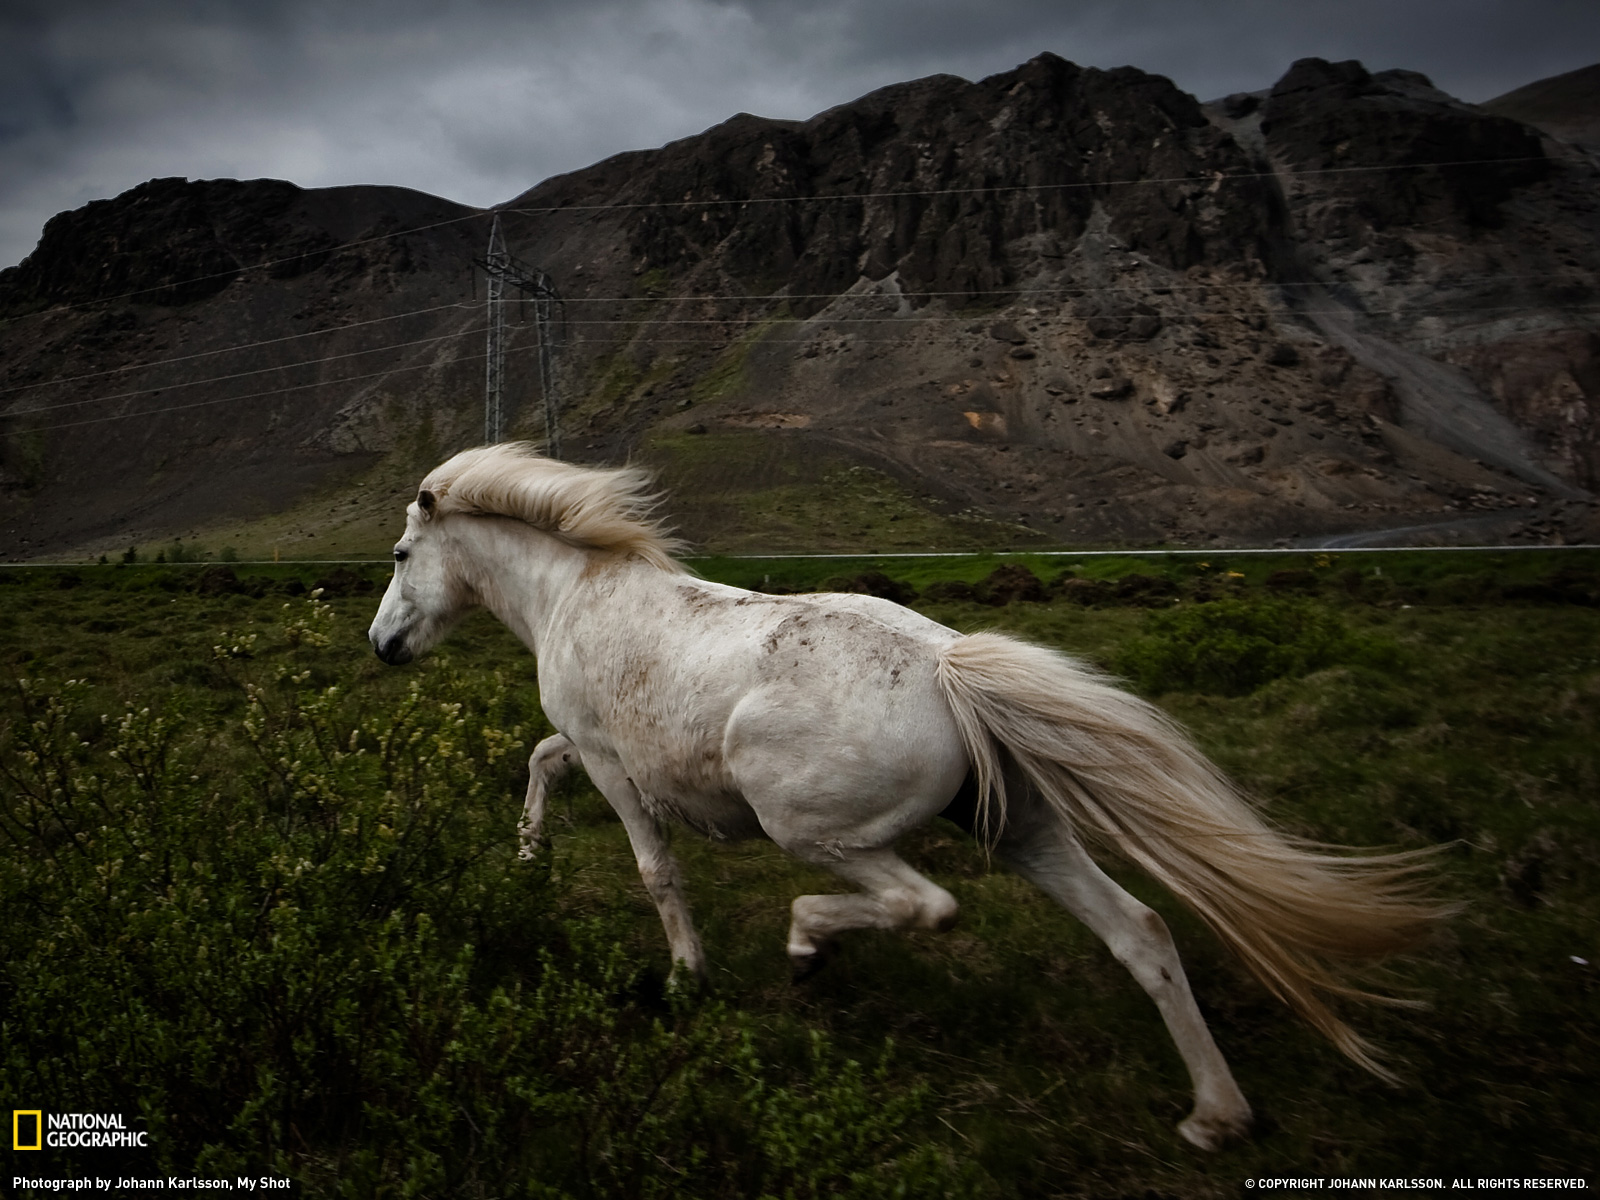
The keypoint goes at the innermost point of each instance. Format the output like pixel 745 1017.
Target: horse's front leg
pixel 551 759
pixel 657 867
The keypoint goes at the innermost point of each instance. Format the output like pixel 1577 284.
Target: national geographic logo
pixel 34 1129
pixel 27 1129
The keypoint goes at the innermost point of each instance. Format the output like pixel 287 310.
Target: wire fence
pixel 1213 552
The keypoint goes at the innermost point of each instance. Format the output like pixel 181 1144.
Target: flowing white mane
pixel 602 508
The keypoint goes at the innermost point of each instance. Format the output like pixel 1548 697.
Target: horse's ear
pixel 427 502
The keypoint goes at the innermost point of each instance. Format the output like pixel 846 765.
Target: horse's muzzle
pixel 394 651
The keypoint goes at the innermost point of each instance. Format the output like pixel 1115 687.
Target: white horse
pixel 834 724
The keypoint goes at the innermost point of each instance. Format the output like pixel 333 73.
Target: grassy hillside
pixel 262 894
pixel 730 493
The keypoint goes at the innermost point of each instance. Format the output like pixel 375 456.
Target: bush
pixel 1232 647
pixel 870 583
pixel 1008 582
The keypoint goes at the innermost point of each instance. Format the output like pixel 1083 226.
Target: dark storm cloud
pixel 479 99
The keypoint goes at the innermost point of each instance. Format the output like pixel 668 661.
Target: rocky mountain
pixel 1564 106
pixel 180 354
pixel 1056 305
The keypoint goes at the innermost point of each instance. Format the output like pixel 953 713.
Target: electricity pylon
pixel 502 269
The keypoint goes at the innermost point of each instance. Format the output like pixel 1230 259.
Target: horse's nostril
pixel 394 651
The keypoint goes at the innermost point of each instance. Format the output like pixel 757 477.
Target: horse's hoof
pixel 1213 1133
pixel 686 982
pixel 804 966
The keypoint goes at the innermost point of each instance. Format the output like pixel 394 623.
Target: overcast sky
pixel 477 100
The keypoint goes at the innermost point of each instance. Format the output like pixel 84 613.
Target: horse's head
pixel 426 595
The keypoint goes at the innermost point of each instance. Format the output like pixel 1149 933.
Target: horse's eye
pixel 401 555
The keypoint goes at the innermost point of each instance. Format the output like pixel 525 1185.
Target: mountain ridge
pixel 1565 106
pixel 1075 304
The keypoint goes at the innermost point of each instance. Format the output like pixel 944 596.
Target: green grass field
pixel 262 894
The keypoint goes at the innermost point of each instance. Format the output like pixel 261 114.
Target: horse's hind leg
pixel 551 759
pixel 893 896
pixel 1055 860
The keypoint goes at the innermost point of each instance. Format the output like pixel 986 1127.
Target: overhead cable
pixel 1215 177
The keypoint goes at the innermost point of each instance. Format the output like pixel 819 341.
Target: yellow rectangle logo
pixel 23 1122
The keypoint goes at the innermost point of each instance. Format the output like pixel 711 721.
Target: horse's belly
pixel 717 815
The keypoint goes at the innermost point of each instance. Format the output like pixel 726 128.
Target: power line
pixel 1154 287
pixel 242 270
pixel 1146 290
pixel 300 387
pixel 1021 291
pixel 1215 177
pixel 918 318
pixel 593 341
pixel 309 362
pixel 291 337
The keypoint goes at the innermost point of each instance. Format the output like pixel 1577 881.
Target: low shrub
pixel 870 583
pixel 1008 582
pixel 1232 647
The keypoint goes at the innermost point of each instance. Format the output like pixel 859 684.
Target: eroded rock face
pixel 1566 106
pixel 167 242
pixel 984 177
pixel 1366 135
pixel 1549 383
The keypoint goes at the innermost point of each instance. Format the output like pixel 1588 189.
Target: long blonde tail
pixel 1118 770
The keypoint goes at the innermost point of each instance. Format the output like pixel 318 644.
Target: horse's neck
pixel 520 574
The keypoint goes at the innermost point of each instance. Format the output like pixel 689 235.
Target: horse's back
pixel 817 709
